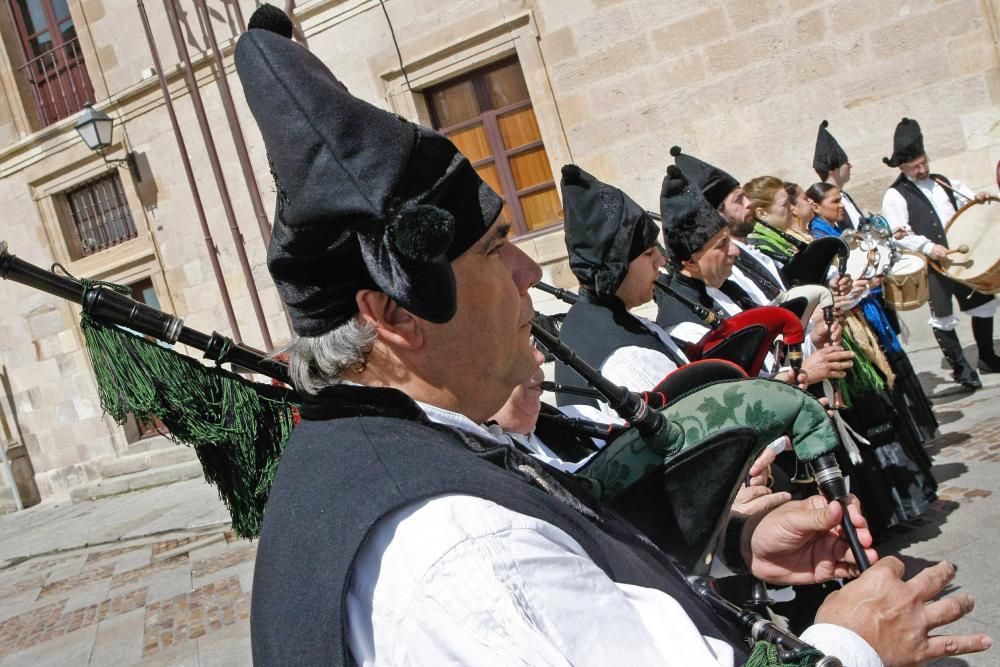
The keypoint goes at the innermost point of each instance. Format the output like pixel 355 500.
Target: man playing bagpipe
pixel 397 531
pixel 612 246
pixel 754 272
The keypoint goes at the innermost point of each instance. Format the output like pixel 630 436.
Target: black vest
pixel 672 311
pixel 924 219
pixel 360 453
pixel 758 274
pixel 594 329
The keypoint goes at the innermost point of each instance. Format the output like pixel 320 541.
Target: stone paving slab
pixel 156 577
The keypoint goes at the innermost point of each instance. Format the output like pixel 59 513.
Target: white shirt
pixel 638 368
pixel 748 285
pixel 852 211
pixel 897 214
pixel 458 580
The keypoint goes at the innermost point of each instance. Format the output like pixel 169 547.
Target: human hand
pixel 818 334
pixel 841 284
pixel 901 232
pixel 760 471
pixel 896 617
pixel 827 363
pixel 939 254
pixel 752 501
pixel 981 197
pixel 802 542
pixel 858 288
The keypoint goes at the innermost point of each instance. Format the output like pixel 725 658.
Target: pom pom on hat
pixel 268 17
pixel 675 151
pixel 421 232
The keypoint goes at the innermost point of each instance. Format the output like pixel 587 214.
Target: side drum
pixel 973 225
pixel 905 285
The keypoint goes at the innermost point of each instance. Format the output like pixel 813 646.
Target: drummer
pixel 920 228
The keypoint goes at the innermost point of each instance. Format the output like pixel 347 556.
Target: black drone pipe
pixel 557 292
pixel 709 317
pixel 559 388
pixel 628 405
pixel 110 307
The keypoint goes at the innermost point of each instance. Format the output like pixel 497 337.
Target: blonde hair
pixel 762 191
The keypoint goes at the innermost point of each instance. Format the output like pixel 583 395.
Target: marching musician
pixel 612 246
pixel 398 533
pixel 753 271
pixel 832 166
pixel 917 205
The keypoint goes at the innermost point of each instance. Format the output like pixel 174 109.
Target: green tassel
pixel 238 428
pixel 765 654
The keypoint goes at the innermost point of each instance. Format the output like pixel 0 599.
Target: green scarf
pixel 770 240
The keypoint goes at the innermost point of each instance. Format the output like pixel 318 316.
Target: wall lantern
pixel 96 128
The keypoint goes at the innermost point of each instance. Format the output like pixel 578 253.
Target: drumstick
pixel 948 187
pixel 962 249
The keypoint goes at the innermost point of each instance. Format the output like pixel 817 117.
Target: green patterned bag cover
pixel 772 409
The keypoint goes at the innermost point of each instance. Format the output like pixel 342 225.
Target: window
pixel 54 66
pixel 488 115
pixel 99 216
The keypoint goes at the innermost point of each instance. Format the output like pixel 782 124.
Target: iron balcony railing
pixel 58 81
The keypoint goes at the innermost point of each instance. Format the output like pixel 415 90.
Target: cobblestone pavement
pixel 156 576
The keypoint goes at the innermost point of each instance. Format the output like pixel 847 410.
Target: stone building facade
pixel 608 84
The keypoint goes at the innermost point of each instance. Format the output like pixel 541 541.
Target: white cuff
pixel 840 642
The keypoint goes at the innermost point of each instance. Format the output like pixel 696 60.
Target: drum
pixel 972 225
pixel 906 284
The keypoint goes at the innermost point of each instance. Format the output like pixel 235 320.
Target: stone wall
pixel 614 84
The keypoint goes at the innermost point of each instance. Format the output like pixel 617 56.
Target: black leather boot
pixel 982 331
pixel 961 371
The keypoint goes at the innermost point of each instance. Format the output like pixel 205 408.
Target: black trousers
pixel 941 289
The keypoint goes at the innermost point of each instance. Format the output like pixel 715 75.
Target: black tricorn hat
pixel 828 154
pixel 366 199
pixel 605 229
pixel 714 183
pixel 907 143
pixel 689 220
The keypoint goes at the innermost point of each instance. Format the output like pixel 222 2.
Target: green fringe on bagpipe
pixel 765 654
pixel 238 428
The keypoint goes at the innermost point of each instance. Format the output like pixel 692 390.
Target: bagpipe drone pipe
pixel 238 427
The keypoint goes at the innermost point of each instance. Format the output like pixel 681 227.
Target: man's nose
pixel 526 271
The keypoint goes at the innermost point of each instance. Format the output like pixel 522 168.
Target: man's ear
pixel 395 325
pixel 690 266
pixel 760 213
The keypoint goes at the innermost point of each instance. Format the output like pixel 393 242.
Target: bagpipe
pixel 675 472
pixel 746 338
pixel 239 428
pixel 743 339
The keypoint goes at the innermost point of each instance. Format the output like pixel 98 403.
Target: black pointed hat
pixel 828 154
pixel 366 199
pixel 714 183
pixel 907 143
pixel 605 230
pixel 689 219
